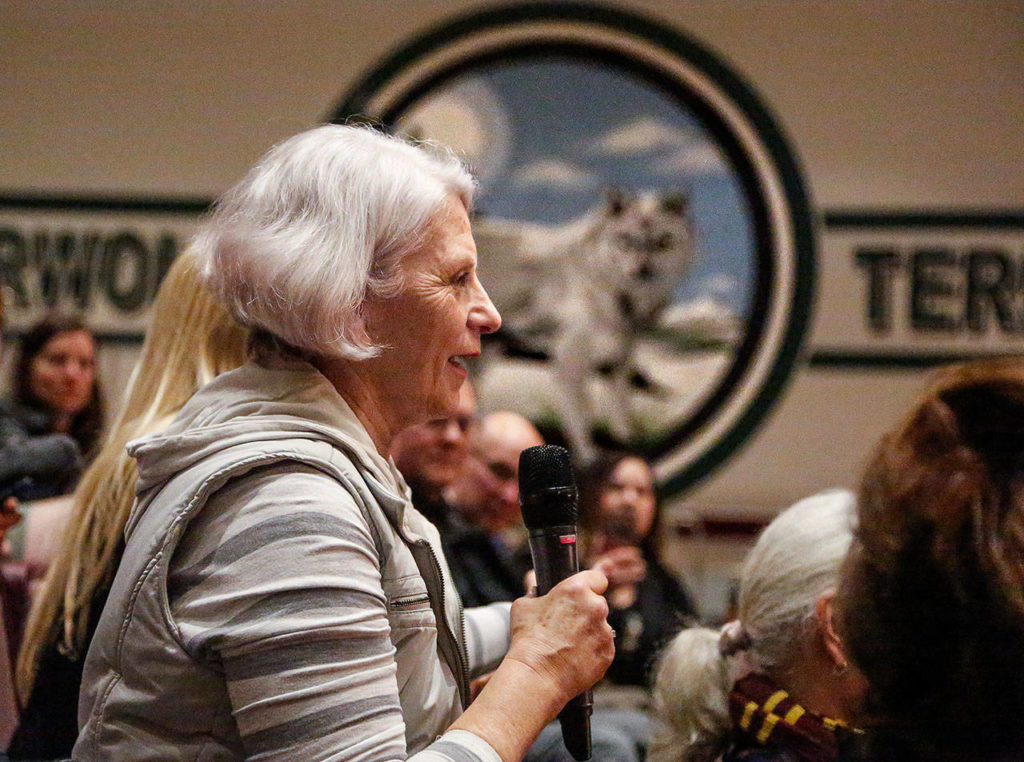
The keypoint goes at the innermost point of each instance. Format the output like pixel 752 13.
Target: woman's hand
pixel 623 565
pixel 561 645
pixel 564 636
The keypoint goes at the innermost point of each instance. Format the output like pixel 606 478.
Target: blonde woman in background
pixel 775 684
pixel 191 340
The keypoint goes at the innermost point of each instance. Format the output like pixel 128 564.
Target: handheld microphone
pixel 547 497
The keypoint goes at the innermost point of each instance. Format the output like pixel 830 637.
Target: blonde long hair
pixel 191 339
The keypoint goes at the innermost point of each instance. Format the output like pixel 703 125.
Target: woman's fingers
pixel 624 565
pixel 564 635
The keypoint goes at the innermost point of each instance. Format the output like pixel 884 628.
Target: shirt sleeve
pixel 277 583
pixel 487 636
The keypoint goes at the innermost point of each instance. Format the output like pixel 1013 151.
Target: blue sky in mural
pixel 547 135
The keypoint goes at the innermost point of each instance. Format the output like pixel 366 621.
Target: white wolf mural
pixel 582 294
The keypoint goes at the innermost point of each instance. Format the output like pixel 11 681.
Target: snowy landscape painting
pixel 614 236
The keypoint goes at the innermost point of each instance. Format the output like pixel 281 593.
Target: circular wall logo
pixel 641 224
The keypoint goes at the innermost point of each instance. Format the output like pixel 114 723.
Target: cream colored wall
pixel 907 103
pixel 913 104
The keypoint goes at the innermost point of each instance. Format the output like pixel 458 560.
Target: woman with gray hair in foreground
pixel 775 684
pixel 279 596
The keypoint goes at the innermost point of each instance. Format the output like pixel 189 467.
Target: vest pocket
pixel 408 603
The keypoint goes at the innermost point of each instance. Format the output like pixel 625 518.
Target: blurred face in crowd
pixel 433 454
pixel 61 376
pixel 488 491
pixel 629 497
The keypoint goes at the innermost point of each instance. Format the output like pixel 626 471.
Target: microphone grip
pixel 575 721
pixel 554 558
pixel 554 555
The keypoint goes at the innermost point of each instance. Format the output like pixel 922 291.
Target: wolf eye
pixel 664 240
pixel 675 203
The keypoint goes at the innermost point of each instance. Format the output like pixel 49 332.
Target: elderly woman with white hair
pixel 279 596
pixel 775 684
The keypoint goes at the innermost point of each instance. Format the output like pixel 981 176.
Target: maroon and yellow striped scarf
pixel 767 716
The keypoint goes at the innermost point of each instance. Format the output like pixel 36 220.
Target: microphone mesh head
pixel 544 471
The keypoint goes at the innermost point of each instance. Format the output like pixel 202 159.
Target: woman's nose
pixel 484 315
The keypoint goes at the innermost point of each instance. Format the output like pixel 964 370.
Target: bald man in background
pixel 485 541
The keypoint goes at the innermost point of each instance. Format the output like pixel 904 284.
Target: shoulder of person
pixel 16 417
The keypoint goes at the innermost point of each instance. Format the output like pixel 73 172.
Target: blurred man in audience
pixel 485 543
pixel 432 455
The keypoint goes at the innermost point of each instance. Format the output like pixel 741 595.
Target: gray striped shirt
pixel 277 583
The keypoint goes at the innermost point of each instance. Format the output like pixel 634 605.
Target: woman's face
pixel 61 376
pixel 431 328
pixel 630 491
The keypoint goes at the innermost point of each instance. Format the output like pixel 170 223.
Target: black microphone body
pixel 548 497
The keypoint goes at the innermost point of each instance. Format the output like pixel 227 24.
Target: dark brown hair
pixel 932 599
pixel 87 425
pixel 594 479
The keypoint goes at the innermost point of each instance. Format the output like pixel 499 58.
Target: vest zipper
pixel 461 666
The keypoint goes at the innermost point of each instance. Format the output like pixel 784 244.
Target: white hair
pixel 689 702
pixel 320 224
pixel 794 562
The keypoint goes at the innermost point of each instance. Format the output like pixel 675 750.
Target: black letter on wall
pixel 60 266
pixel 125 252
pixel 928 283
pixel 989 279
pixel 12 262
pixel 880 264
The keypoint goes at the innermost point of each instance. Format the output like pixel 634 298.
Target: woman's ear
pixel 824 611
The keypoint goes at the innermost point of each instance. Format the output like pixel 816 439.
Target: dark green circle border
pixel 743 97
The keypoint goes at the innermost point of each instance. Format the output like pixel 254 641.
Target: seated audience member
pixel 774 685
pixel 931 602
pixel 9 515
pixel 12 595
pixel 432 455
pixel 485 543
pixel 191 340
pixel 619 510
pixel 55 414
